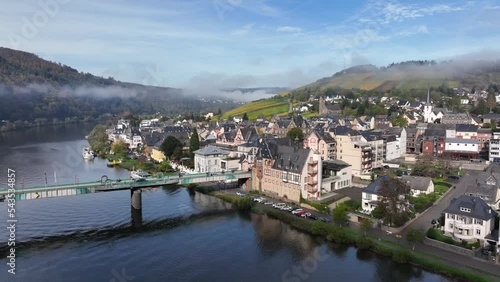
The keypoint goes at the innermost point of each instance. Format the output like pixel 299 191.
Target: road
pixel 434 212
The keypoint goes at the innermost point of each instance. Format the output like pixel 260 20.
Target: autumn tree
pixel 491 102
pixel 393 201
pixel 119 148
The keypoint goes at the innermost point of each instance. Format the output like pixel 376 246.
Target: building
pixel 369 195
pixel 433 141
pixel 456 118
pixel 494 148
pixel 484 135
pixel 466 131
pixel 418 184
pixel 323 143
pixel 487 187
pixel 411 140
pixel 287 172
pixel 401 138
pixel 337 174
pixel 461 149
pixel 354 151
pixel 470 219
pixel 210 159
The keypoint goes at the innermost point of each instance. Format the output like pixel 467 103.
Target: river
pixel 184 237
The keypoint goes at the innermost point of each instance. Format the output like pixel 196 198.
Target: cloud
pixel 289 29
pixel 244 30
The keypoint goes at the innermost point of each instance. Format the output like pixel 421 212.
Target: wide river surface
pixel 183 237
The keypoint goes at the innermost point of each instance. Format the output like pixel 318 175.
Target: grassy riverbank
pixel 343 235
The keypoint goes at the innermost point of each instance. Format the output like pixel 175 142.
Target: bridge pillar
pixel 136 198
pixel 136 207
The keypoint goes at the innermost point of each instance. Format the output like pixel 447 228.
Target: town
pixel 419 166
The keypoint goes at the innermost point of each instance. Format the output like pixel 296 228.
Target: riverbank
pixel 344 235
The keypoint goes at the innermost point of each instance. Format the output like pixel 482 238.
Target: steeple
pixel 428 96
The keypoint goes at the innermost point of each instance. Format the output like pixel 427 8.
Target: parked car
pixel 306 214
pixel 240 194
pixel 259 199
pixel 279 205
pixel 267 202
pixel 300 213
pixel 287 208
pixel 313 217
pixel 324 219
pixel 295 211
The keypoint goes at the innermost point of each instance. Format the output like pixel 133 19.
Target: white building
pixel 369 195
pixel 418 184
pixel 494 154
pixel 337 174
pixel 471 219
pixel 210 159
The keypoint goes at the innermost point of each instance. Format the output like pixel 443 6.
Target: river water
pixel 183 237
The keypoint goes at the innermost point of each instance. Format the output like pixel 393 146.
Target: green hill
pixel 413 75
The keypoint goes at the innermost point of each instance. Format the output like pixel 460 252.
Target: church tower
pixel 428 108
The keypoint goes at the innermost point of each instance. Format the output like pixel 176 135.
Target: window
pixel 464 209
pixel 451 225
pixel 478 231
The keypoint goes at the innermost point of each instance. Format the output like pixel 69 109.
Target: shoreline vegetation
pixel 7 126
pixel 344 235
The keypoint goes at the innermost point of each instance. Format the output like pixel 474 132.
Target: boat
pixel 113 163
pixel 138 174
pixel 88 154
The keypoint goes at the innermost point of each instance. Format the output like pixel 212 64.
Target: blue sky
pixel 243 43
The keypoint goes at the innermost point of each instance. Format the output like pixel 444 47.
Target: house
pixel 354 151
pixel 433 141
pixel 323 143
pixel 210 159
pixel 418 184
pixel 370 197
pixel 487 187
pixel 411 139
pixel 494 148
pixel 456 118
pixel 401 138
pixel 403 104
pixel 484 135
pixel 491 118
pixel 337 174
pixel 157 154
pixel 466 131
pixel 328 109
pixel 470 219
pixel 461 149
pixel 287 172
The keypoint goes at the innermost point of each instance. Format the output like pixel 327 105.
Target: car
pixel 434 222
pixel 240 194
pixel 287 208
pixel 324 219
pixel 313 217
pixel 279 205
pixel 306 214
pixel 267 202
pixel 300 213
pixel 259 199
pixel 454 177
pixel 295 211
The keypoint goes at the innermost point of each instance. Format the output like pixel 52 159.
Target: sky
pixel 244 43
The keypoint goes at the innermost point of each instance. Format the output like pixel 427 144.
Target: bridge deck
pixel 113 185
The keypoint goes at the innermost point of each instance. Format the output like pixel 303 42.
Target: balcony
pixel 312 181
pixel 312 162
pixel 312 188
pixel 312 170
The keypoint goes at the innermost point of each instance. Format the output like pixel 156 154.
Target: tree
pixel 415 236
pixel 393 202
pixel 295 133
pixel 491 102
pixel 366 224
pixel 164 166
pixel 481 107
pixel 399 120
pixel 169 146
pixel 340 214
pixel 119 148
pixel 194 142
pixel 245 117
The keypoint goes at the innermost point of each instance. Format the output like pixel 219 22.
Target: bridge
pixel 135 186
pixel 106 185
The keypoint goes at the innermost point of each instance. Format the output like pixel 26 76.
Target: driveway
pixel 434 212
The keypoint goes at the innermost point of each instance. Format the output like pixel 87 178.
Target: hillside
pixel 413 75
pixel 267 107
pixel 32 88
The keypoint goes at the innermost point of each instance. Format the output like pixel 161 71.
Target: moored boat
pixel 88 154
pixel 138 174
